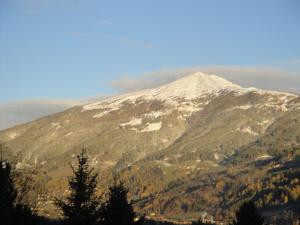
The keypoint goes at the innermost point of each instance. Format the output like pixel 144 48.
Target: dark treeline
pixel 84 207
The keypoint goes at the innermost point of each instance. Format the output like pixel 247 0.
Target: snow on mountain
pixel 182 93
pixel 190 87
pixel 179 95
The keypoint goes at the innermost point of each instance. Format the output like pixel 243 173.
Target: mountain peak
pixel 197 84
pixel 189 87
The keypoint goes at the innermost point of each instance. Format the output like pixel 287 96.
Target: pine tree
pixel 117 210
pixel 8 193
pixel 12 212
pixel 248 215
pixel 82 205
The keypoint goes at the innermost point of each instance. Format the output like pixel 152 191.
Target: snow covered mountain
pixel 175 132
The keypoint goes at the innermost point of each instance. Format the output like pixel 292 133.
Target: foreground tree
pixel 8 193
pixel 82 205
pixel 117 210
pixel 248 214
pixel 12 212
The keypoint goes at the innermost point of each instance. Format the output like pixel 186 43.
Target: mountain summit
pixel 195 85
pixel 190 87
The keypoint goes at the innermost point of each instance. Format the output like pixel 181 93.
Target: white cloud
pixel 18 112
pixel 150 80
pixel 295 61
pixel 13 113
pixel 270 78
pixel 261 77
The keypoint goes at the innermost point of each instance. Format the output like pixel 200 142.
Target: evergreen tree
pixel 11 211
pixel 8 193
pixel 247 214
pixel 117 210
pixel 82 205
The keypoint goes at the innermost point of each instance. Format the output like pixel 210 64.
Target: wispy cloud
pixel 251 76
pixel 132 82
pixel 295 61
pixel 18 112
pixel 77 34
pixel 103 22
pixel 271 78
pixel 135 44
pixel 288 61
pixel 29 12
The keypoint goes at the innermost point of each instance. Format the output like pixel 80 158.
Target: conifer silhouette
pixel 8 193
pixel 82 205
pixel 12 212
pixel 117 210
pixel 247 214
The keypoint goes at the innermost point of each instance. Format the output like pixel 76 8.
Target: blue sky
pixel 73 49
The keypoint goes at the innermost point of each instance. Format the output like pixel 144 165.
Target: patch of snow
pixel 279 100
pixel 264 157
pixel 189 109
pixel 12 135
pixel 132 122
pixel 104 113
pixel 216 156
pixel 152 127
pixel 56 125
pixel 94 161
pixel 156 114
pixel 19 165
pixel 164 140
pixel 68 134
pixel 265 123
pixel 248 130
pixel 242 107
pixel 22 165
pixel 180 117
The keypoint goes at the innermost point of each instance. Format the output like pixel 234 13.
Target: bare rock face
pixel 160 140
